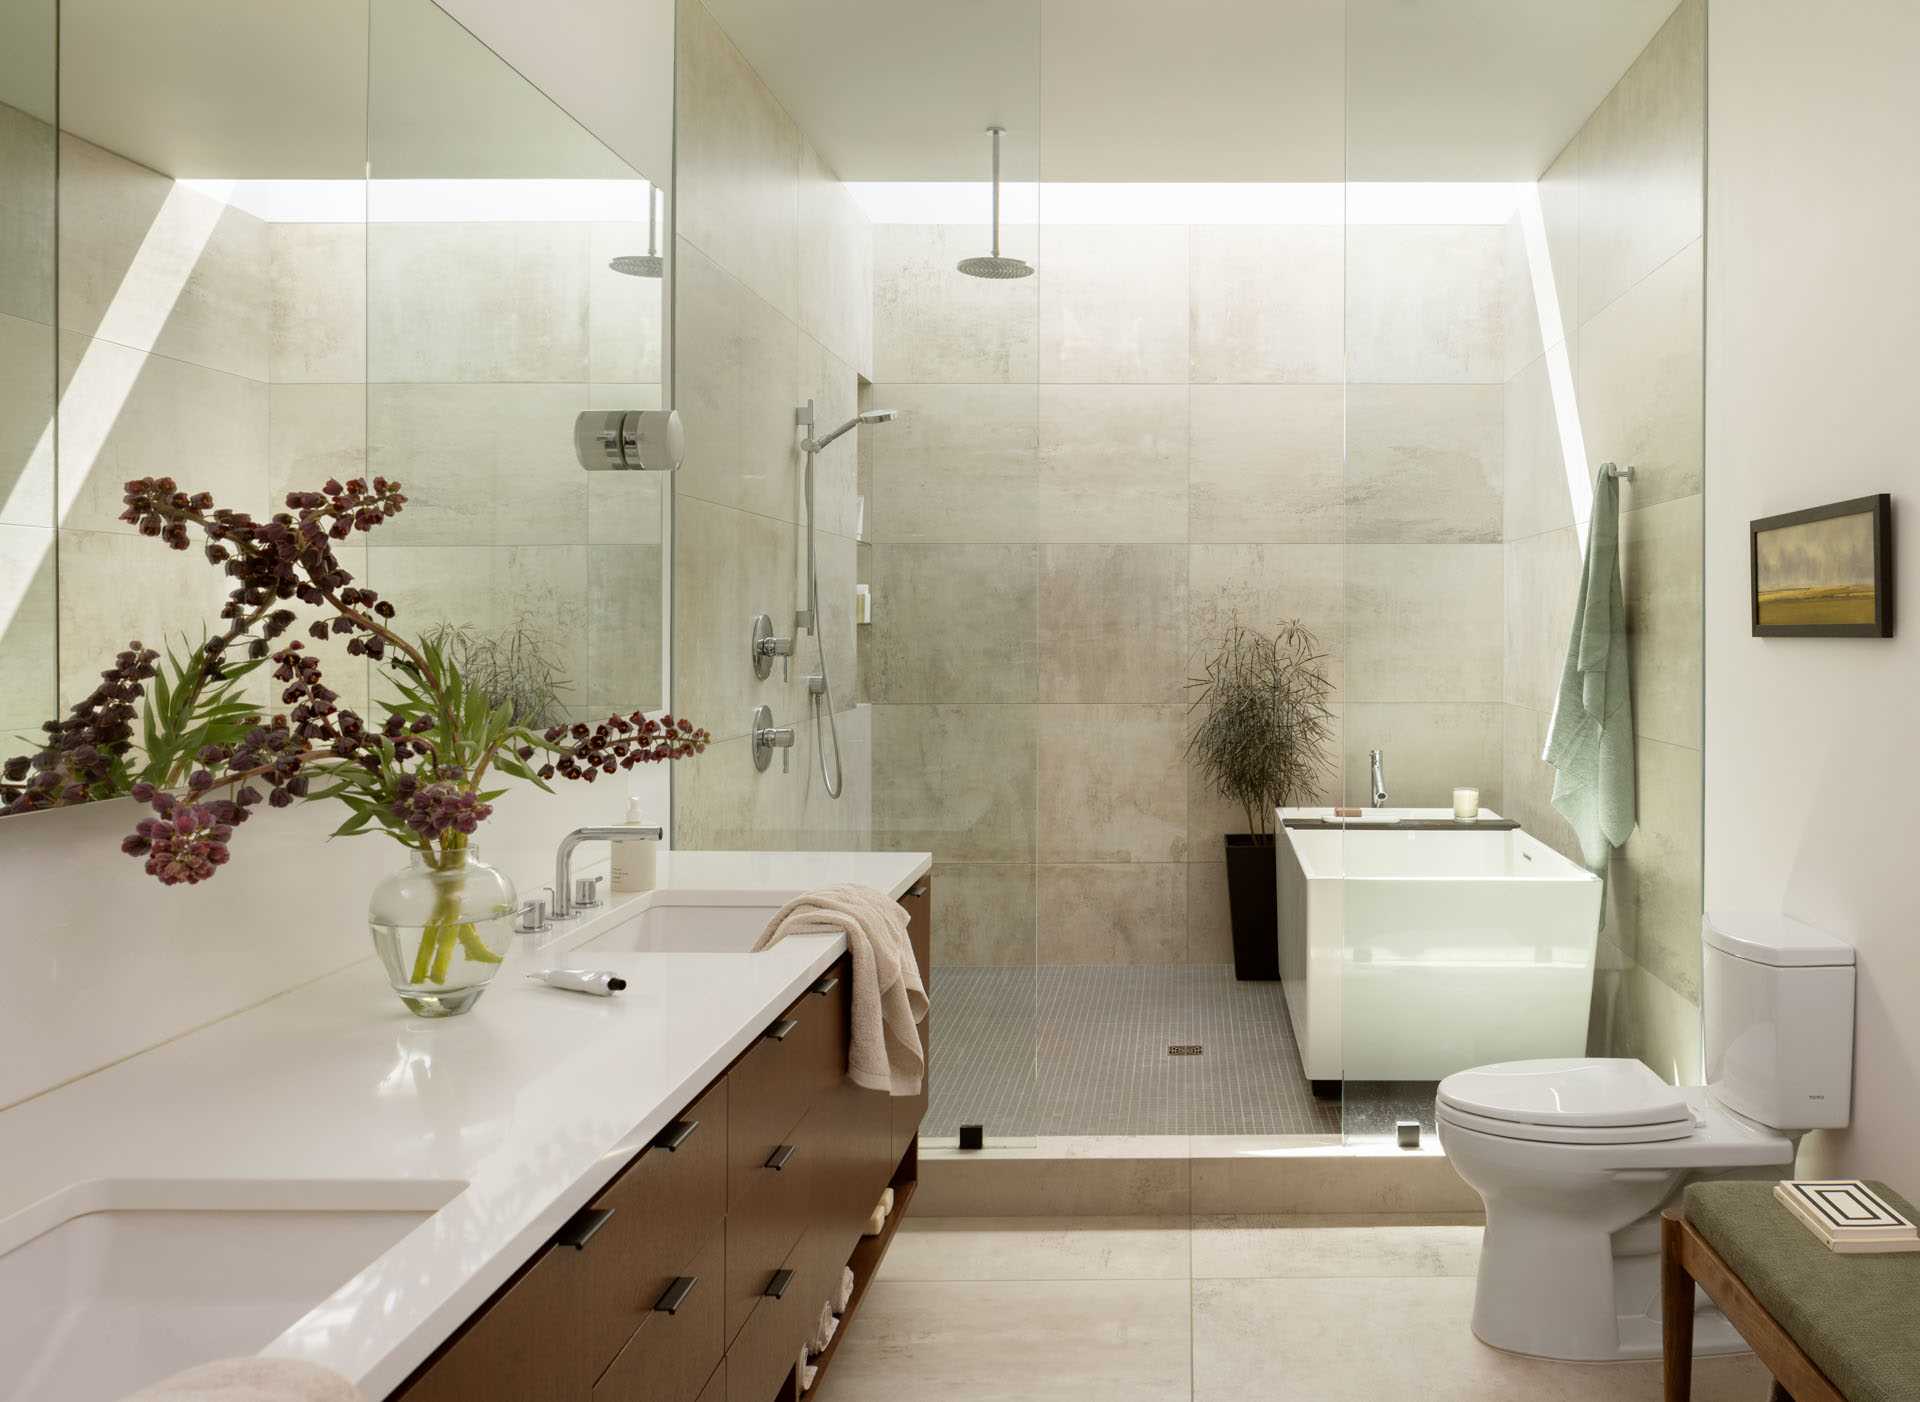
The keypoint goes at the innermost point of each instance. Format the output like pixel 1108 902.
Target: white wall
pixel 1811 759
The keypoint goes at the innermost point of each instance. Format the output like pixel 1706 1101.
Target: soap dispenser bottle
pixel 633 857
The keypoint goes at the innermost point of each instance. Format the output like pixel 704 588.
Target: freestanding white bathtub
pixel 1407 955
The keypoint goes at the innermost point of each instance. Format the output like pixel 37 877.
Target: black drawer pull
pixel 827 985
pixel 675 1134
pixel 780 1157
pixel 920 890
pixel 676 1294
pixel 778 1285
pixel 782 1029
pixel 581 1226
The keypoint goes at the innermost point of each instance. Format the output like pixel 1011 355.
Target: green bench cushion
pixel 1857 1317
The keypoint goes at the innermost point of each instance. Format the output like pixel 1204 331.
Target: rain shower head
pixel 637 264
pixel 994 265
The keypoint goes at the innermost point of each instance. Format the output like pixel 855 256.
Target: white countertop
pixel 333 1095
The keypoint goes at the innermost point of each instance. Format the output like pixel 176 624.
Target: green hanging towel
pixel 1590 743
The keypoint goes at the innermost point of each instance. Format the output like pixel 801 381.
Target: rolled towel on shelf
pixel 823 1328
pixel 886 1201
pixel 803 1371
pixel 877 1223
pixel 252 1380
pixel 889 997
pixel 845 1297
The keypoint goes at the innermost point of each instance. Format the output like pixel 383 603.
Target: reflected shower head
pixel 986 266
pixel 637 264
pixel 877 416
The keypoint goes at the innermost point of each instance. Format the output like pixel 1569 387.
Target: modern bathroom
pixel 1312 584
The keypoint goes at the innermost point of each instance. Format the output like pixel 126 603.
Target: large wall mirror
pixel 254 248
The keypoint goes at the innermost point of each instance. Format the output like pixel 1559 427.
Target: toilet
pixel 1576 1157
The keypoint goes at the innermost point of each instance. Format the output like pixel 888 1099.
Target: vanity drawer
pixel 858 1165
pixel 716 1388
pixel 671 1355
pixel 525 1344
pixel 765 1221
pixel 768 1347
pixel 665 1205
pixel 802 1054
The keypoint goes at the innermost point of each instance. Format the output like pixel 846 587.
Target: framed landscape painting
pixel 1826 572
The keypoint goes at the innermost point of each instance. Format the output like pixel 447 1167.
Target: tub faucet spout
pixel 1379 779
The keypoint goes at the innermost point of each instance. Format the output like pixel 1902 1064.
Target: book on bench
pixel 1847 1215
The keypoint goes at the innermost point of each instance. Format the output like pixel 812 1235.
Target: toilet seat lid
pixel 1567 1091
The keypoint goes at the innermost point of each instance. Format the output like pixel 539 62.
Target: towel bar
pixel 1620 474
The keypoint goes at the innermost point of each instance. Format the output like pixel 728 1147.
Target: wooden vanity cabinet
pixel 698 1273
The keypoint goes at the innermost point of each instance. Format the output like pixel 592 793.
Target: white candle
pixel 1466 804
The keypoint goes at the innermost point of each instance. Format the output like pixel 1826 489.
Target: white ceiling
pixel 1208 90
pixel 238 89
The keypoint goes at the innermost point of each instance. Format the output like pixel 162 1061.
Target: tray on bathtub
pixel 1406 824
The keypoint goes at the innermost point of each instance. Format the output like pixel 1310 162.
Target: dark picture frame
pixel 1823 606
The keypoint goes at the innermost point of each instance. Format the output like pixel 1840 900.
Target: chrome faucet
pixel 1379 779
pixel 563 902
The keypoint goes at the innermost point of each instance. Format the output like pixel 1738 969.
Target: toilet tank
pixel 1777 1007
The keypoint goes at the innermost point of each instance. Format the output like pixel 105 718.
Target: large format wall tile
pixel 834 388
pixel 159 267
pixel 477 302
pixel 317 431
pixel 1642 382
pixel 1424 462
pixel 27 147
pixel 746 565
pixel 623 630
pixel 934 325
pixel 1526 783
pixel 1424 622
pixel 1112 783
pixel 1428 751
pixel 1113 622
pixel 721 802
pixel 835 293
pixel 1537 496
pixel 1424 304
pixel 1113 304
pixel 625 508
pixel 483 464
pixel 1642 163
pixel 983 914
pixel 624 313
pixel 1542 592
pixel 317 326
pixel 26 422
pixel 956 780
pixel 1661 568
pixel 1209 914
pixel 838 571
pixel 960 463
pixel 1560 216
pixel 1113 463
pixel 1266 463
pixel 953 623
pixel 124 414
pixel 736 163
pixel 1210 816
pixel 1113 913
pixel 1266 304
pixel 1520 318
pixel 737 382
pixel 1659 868
pixel 1261 587
pixel 29 693
pixel 99 615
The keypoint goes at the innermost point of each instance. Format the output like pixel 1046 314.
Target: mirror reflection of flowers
pixel 179 734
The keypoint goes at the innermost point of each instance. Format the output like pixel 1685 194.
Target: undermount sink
pixel 687 926
pixel 127 1283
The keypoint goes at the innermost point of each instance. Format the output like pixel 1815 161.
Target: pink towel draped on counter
pixel 252 1380
pixel 889 999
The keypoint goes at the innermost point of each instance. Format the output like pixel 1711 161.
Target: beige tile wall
pixel 774 271
pixel 1624 223
pixel 1096 469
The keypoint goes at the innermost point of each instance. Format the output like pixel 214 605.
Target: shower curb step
pixel 1199 1175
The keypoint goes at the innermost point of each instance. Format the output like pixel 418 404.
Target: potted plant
pixel 1261 739
pixel 180 735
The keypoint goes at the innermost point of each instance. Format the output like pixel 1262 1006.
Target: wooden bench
pixel 1829 1327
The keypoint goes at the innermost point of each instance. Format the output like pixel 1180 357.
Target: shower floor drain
pixel 1184 1049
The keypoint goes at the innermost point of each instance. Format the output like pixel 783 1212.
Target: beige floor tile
pixel 1039 1248
pixel 983 1185
pixel 1325 1246
pixel 1115 1340
pixel 1320 1340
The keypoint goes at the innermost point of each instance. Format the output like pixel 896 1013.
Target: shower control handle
pixel 768 737
pixel 767 645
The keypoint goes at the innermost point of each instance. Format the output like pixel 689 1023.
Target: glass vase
pixel 442 924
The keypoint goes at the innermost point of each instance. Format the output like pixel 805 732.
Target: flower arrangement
pixel 178 734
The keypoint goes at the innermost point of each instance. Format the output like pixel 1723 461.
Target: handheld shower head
pixel 877 416
pixel 870 416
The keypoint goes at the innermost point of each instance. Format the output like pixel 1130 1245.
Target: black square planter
pixel 1254 905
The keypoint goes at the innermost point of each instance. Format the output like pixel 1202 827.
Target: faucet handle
pixel 533 918
pixel 586 892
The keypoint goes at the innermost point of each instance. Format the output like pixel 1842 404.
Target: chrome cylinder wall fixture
pixel 630 440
